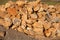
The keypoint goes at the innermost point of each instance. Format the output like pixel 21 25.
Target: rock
pixel 47 33
pixel 34 19
pixel 2 34
pixel 20 29
pixel 47 25
pixel 20 3
pixel 33 16
pixel 16 35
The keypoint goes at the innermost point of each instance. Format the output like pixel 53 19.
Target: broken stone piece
pixel 16 21
pixel 36 8
pixel 38 31
pixel 20 29
pixel 47 25
pixel 33 16
pixel 47 33
pixel 20 3
pixel 2 34
pixel 12 11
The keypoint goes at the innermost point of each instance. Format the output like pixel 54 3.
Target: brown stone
pixel 47 33
pixel 2 34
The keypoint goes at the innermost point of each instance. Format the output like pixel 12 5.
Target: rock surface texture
pixel 23 20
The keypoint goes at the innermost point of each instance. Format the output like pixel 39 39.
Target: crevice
pixel 44 31
pixel 11 25
pixel 4 33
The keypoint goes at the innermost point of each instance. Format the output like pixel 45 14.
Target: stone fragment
pixel 20 3
pixel 47 25
pixel 8 4
pixel 2 33
pixel 12 11
pixel 20 29
pixel 36 8
pixel 47 33
pixel 29 21
pixel 7 23
pixel 37 25
pixel 38 31
pixel 33 16
pixel 16 21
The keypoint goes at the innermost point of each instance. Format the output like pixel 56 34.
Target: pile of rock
pixel 35 19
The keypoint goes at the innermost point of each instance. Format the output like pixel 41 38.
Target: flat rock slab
pixel 14 35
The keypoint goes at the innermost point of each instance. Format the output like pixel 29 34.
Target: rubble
pixel 31 18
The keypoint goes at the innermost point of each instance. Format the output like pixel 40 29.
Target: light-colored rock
pixel 20 3
pixel 47 33
pixel 20 29
pixel 33 16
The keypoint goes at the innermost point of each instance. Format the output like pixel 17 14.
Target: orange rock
pixel 24 17
pixel 7 15
pixel 2 14
pixel 20 29
pixel 29 8
pixel 2 8
pixel 31 33
pixel 8 4
pixel 57 7
pixel 34 3
pixel 38 31
pixel 53 15
pixel 37 25
pixel 47 33
pixel 45 6
pixel 29 21
pixel 41 14
pixel 41 9
pixel 26 31
pixel 51 6
pixel 53 31
pixel 14 27
pixel 12 11
pixel 58 15
pixel 56 25
pixel 18 16
pixel 47 25
pixel 20 3
pixel 36 8
pixel 33 16
pixel 29 25
pixel 6 23
pixel 51 10
pixel 12 17
pixel 58 33
pixel 2 22
pixel 2 34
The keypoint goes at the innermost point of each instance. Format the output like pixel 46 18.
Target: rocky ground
pixel 15 35
pixel 23 20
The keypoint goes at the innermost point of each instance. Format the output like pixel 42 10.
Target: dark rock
pixel 14 35
pixel 2 28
